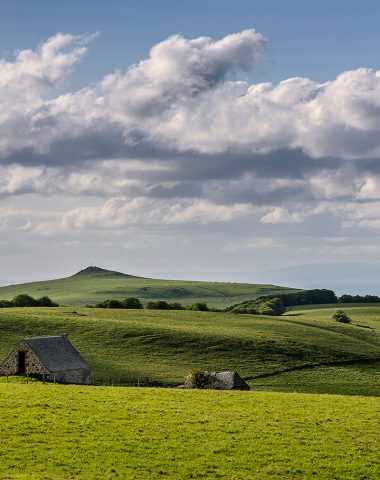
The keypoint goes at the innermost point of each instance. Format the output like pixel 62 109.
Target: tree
pixel 132 302
pixel 340 316
pixel 24 300
pixel 158 305
pixel 46 302
pixel 110 304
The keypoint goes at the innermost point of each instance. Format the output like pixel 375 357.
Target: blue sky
pixel 313 39
pixel 190 164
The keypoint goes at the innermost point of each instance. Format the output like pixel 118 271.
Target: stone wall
pixel 79 375
pixel 32 363
pixel 34 366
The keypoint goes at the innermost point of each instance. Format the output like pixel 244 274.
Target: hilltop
pixel 94 284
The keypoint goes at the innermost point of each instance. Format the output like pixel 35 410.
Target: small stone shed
pixel 228 380
pixel 55 358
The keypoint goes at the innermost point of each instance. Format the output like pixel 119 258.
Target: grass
pixel 166 345
pixel 90 287
pixel 70 432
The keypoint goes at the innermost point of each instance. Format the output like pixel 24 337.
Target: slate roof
pixel 227 380
pixel 57 353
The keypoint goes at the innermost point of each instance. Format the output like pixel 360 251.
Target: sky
pixel 209 140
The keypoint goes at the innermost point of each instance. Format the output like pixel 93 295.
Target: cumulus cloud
pixel 180 100
pixel 182 137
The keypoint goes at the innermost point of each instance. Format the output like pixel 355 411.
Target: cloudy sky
pixel 237 143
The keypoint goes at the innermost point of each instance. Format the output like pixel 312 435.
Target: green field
pixel 70 432
pixel 94 285
pixel 126 345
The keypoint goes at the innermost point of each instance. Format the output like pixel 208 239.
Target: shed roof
pixel 228 379
pixel 57 353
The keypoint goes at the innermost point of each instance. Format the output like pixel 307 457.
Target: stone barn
pixel 55 358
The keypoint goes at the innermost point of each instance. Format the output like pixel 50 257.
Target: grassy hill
pixel 93 285
pixel 147 434
pixel 166 345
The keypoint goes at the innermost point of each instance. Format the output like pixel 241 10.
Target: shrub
pixel 340 316
pixel 158 305
pixel 24 300
pixel 110 304
pixel 176 306
pixel 46 302
pixel 198 306
pixel 272 306
pixel 199 379
pixel 132 302
pixel 6 304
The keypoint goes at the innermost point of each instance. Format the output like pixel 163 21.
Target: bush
pixel 273 306
pixel 110 304
pixel 24 300
pixel 158 305
pixel 176 306
pixel 340 316
pixel 199 379
pixel 6 303
pixel 198 306
pixel 46 302
pixel 132 302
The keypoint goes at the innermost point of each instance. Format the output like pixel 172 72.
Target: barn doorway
pixel 21 362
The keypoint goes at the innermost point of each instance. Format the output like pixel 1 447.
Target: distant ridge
pixel 93 270
pixel 94 285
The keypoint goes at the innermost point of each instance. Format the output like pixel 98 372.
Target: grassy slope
pixel 92 287
pixel 127 344
pixel 129 433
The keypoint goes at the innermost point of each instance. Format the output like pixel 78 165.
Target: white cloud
pixel 282 215
pixel 181 98
pixel 120 212
pixel 182 139
pixel 250 244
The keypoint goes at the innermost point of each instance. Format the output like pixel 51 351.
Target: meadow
pixel 126 345
pixel 94 285
pixel 75 432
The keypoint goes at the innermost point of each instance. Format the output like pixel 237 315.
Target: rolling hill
pixel 93 285
pixel 303 350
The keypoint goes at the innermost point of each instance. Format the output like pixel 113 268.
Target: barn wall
pixel 79 375
pixel 32 363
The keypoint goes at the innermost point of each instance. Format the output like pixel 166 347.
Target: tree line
pixel 133 302
pixel 277 304
pixel 264 305
pixel 24 300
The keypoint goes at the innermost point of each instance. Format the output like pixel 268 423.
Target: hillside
pixel 166 345
pixel 146 434
pixel 93 285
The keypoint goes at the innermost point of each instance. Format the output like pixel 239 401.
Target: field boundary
pixel 339 363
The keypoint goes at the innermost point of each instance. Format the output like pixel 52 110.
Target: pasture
pixel 73 432
pixel 166 345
